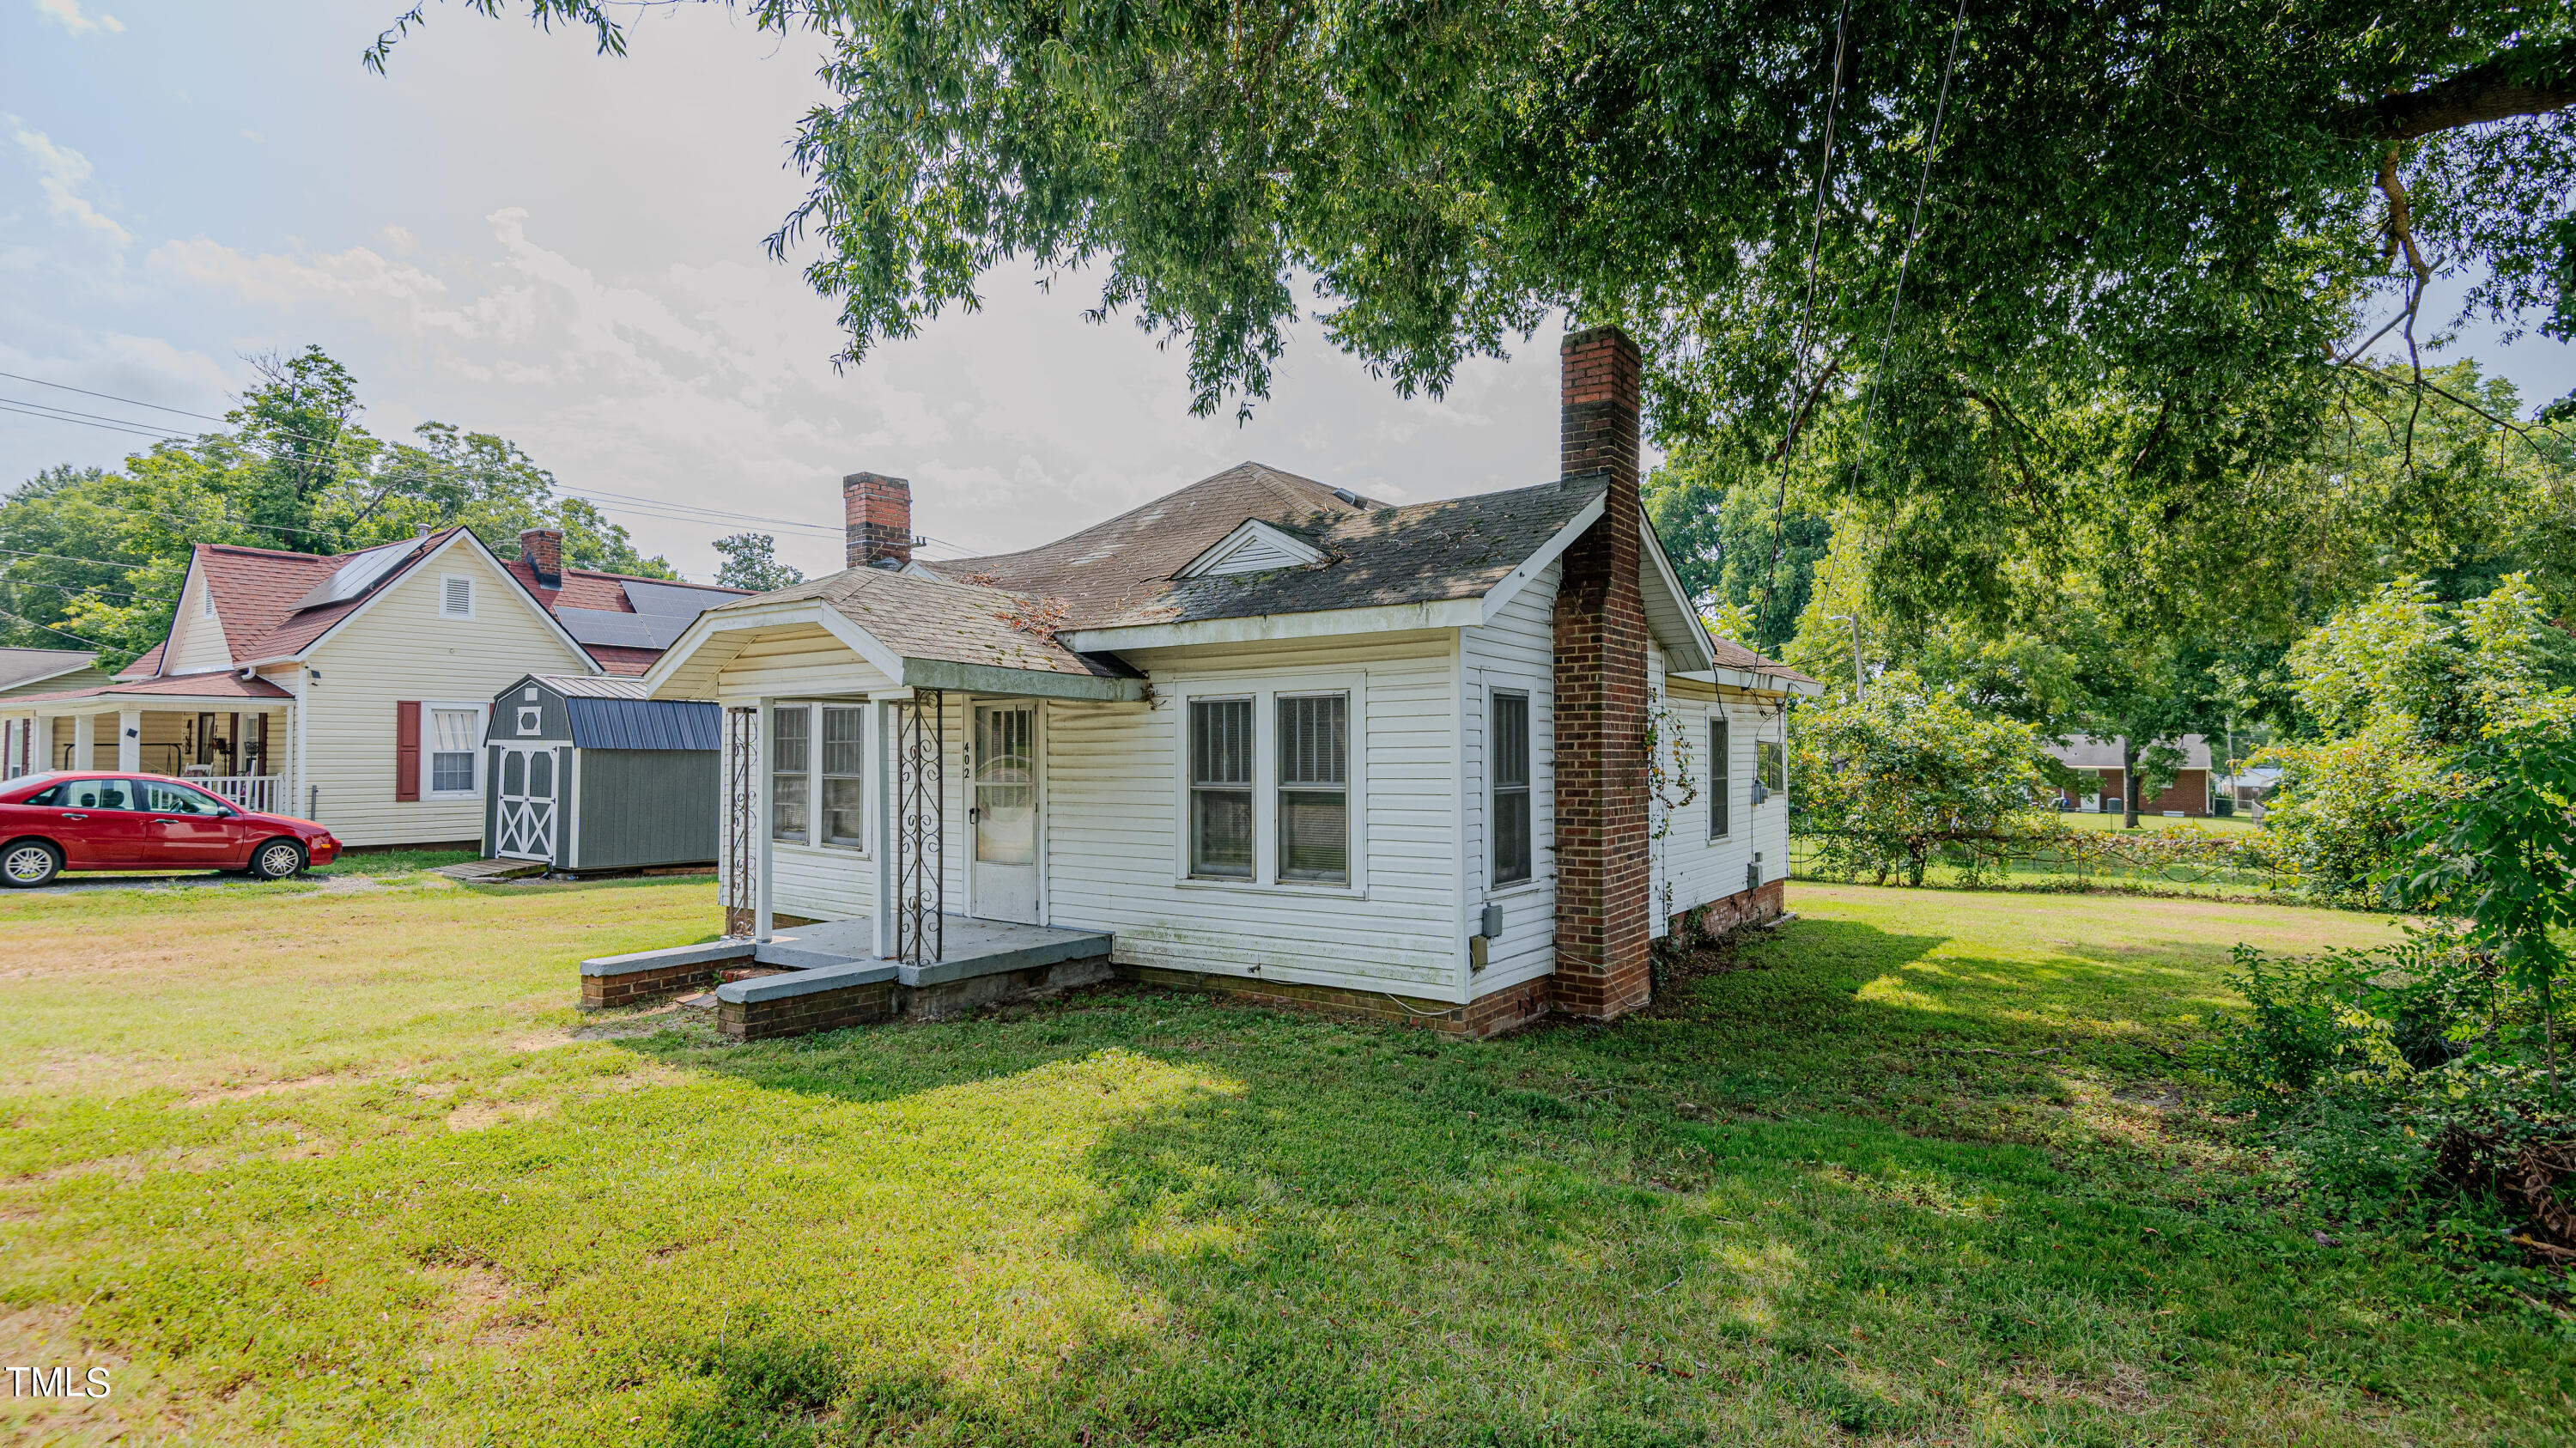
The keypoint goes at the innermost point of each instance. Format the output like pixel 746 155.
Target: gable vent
pixel 457 599
pixel 1251 548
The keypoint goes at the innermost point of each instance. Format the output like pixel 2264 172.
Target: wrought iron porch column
pixel 920 895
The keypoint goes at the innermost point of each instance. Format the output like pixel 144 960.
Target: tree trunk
pixel 2128 783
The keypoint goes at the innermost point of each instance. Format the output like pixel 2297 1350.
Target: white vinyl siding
pixel 1115 857
pixel 1516 652
pixel 1700 868
pixel 196 644
pixel 397 649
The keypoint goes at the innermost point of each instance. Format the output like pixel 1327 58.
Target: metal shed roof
pixel 645 724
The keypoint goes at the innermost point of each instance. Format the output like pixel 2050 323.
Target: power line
pixel 1806 314
pixel 49 628
pixel 110 396
pixel 1913 233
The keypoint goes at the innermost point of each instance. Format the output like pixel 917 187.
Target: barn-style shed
pixel 586 773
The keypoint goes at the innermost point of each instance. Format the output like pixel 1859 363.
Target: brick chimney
pixel 1603 880
pixel 876 514
pixel 542 550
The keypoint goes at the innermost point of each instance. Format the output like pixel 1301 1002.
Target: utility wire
pixel 49 628
pixel 1815 252
pixel 1913 234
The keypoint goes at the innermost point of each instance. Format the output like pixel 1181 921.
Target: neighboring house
pixel 44 671
pixel 352 689
pixel 2188 793
pixel 1260 735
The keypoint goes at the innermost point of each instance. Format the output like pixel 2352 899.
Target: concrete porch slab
pixel 972 948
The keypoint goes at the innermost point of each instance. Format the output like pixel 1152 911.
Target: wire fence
pixel 2063 858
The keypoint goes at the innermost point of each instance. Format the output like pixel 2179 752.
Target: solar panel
pixel 623 630
pixel 672 599
pixel 362 572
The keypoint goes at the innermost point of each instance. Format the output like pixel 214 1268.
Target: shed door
pixel 527 803
pixel 1006 812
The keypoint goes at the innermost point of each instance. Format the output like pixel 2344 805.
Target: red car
pixel 88 820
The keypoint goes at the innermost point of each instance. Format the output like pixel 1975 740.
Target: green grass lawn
pixel 305 1168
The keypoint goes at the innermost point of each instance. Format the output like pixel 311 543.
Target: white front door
pixel 526 792
pixel 1006 812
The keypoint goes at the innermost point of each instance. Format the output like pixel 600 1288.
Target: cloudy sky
pixel 514 235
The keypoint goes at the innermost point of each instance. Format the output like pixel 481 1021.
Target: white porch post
pixel 39 750
pixel 297 802
pixel 129 740
pixel 84 741
pixel 761 827
pixel 882 739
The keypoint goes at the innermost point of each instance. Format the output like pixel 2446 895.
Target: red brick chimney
pixel 876 514
pixel 542 549
pixel 1603 881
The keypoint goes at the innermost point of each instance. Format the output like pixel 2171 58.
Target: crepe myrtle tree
pixel 2151 236
pixel 1887 780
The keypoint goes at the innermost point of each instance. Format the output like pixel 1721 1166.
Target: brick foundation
pixel 601 991
pixel 1505 1010
pixel 742 920
pixel 1744 907
pixel 803 1015
pixel 1603 914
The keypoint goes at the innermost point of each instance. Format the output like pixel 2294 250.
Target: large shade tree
pixel 2151 236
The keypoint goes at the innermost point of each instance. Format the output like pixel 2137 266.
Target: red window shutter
pixel 407 749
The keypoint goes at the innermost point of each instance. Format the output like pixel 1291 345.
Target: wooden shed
pixel 585 773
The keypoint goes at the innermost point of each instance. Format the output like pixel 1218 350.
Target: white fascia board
pixel 1249 529
pixel 1703 652
pixel 1501 594
pixel 1269 627
pixel 706 627
pixel 1752 681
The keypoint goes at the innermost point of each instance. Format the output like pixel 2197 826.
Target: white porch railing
pixel 254 792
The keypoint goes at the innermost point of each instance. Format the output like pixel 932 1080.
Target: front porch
pixel 222 732
pixel 826 975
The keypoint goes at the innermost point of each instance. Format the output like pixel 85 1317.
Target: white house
pixel 350 689
pixel 1261 735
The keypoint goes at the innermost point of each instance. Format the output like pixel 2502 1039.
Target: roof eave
pixel 1268 627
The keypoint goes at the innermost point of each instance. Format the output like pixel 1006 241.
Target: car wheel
pixel 277 859
pixel 29 863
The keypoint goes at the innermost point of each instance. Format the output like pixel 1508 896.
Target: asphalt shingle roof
pixel 22 666
pixel 929 618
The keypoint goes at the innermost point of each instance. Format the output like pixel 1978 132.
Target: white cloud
pixel 68 14
pixel 250 135
pixel 64 173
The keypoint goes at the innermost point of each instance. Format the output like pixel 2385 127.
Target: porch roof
pixel 221 688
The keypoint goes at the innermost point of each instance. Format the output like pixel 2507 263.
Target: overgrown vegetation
pixel 324 1170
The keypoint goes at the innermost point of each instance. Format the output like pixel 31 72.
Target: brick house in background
pixel 1260 736
pixel 2188 794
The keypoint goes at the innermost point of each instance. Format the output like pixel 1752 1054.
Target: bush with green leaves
pixel 1887 781
pixel 2408 1087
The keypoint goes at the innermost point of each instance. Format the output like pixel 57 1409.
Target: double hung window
pixel 791 783
pixel 1314 788
pixel 845 819
pixel 1221 788
pixel 452 747
pixel 1721 779
pixel 1510 747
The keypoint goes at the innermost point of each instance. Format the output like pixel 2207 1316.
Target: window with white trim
pixel 455 596
pixel 1509 746
pixel 1221 788
pixel 1721 770
pixel 455 746
pixel 844 766
pixel 791 759
pixel 1314 788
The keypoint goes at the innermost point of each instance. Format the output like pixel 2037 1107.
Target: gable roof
pixel 1109 569
pixel 259 596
